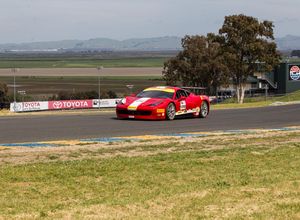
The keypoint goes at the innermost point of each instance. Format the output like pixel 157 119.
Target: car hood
pixel 135 102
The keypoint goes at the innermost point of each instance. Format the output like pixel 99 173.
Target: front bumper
pixel 141 113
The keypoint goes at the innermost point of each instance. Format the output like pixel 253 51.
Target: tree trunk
pixel 237 93
pixel 243 94
pixel 240 91
pixel 217 98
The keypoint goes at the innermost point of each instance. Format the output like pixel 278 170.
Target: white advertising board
pixel 28 106
pixel 105 103
pixel 64 104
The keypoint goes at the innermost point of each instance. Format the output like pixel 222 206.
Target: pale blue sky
pixel 44 20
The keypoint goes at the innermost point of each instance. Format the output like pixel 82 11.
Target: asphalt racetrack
pixel 31 128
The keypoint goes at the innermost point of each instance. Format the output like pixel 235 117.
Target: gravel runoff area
pixel 137 71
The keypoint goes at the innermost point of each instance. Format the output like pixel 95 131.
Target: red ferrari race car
pixel 159 103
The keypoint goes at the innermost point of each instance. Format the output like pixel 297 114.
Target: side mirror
pixel 133 95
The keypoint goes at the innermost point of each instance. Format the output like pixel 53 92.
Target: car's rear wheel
pixel 203 109
pixel 170 111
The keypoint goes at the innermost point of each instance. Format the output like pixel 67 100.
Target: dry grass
pixel 217 177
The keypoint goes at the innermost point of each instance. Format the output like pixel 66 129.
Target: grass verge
pixel 258 101
pixel 231 177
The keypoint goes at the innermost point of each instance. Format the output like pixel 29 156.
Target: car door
pixel 181 102
pixel 190 101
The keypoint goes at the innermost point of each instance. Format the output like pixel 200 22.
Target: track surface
pixel 44 128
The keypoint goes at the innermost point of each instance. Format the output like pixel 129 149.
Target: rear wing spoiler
pixel 196 90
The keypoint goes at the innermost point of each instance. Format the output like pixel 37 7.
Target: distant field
pixel 124 71
pixel 41 77
pixel 41 87
pixel 80 62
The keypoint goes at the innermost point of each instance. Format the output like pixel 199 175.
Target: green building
pixel 284 79
pixel 287 78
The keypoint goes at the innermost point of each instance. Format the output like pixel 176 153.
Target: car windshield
pixel 155 94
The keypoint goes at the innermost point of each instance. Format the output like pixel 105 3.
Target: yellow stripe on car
pixel 133 106
pixel 164 89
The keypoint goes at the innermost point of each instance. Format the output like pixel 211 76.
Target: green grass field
pixel 80 63
pixel 294 96
pixel 230 177
pixel 258 101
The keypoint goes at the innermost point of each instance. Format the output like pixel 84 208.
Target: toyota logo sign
pixel 57 104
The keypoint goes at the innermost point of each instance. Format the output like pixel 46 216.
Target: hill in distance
pixel 138 44
pixel 286 43
pixel 289 42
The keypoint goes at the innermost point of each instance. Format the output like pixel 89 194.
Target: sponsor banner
pixel 70 104
pixel 294 72
pixel 105 103
pixel 62 104
pixel 28 106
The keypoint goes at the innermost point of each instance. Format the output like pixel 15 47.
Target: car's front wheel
pixel 170 111
pixel 204 109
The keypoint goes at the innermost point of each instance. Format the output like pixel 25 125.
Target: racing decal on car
pixel 160 88
pixel 182 105
pixel 190 111
pixel 160 110
pixel 197 111
pixel 133 106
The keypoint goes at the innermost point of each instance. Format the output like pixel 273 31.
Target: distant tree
pixel 64 95
pixel 249 47
pixel 216 68
pixel 91 94
pixel 3 93
pixel 200 64
pixel 108 94
pixel 111 94
pixel 295 53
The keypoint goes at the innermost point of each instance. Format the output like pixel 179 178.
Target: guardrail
pixel 62 104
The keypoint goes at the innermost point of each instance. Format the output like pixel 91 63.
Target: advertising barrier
pixel 70 104
pixel 105 103
pixel 28 106
pixel 62 104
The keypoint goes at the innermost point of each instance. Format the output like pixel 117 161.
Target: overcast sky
pixel 45 20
